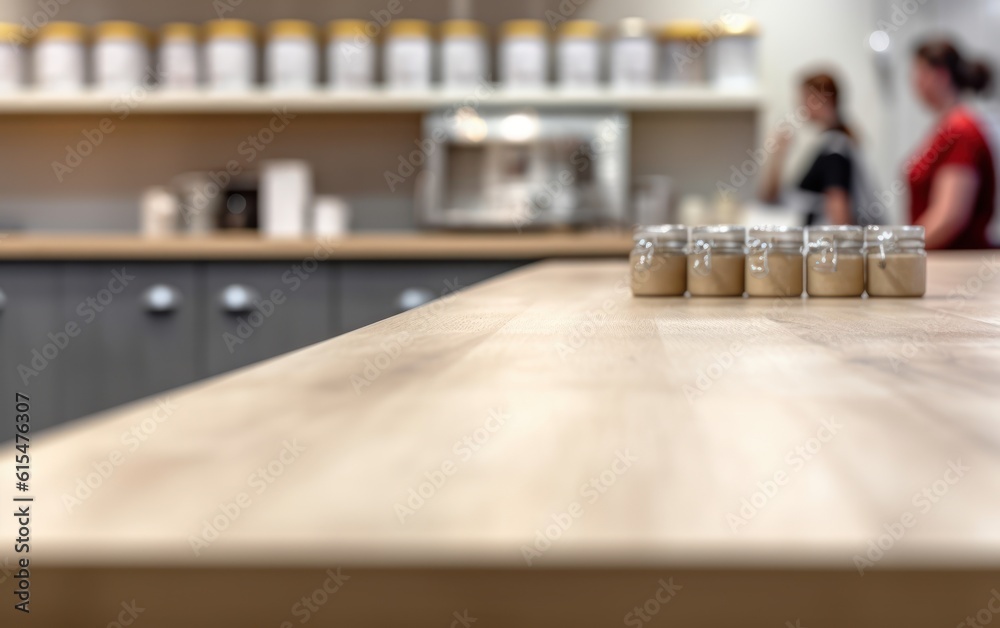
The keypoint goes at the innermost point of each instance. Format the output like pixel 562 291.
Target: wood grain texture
pixel 709 400
pixel 373 246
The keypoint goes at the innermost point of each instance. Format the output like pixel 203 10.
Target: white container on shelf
pixel 286 195
pixel 121 56
pixel 464 54
pixel 578 54
pixel 633 55
pixel 59 57
pixel 350 55
pixel 178 63
pixel 331 216
pixel 524 54
pixel 230 55
pixel 684 53
pixel 292 56
pixel 11 57
pixel 734 54
pixel 159 211
pixel 409 54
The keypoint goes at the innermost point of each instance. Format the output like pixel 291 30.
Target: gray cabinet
pixel 139 328
pixel 34 340
pixel 372 291
pixel 257 311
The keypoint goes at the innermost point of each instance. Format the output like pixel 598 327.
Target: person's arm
pixel 953 197
pixel 837 204
pixel 770 182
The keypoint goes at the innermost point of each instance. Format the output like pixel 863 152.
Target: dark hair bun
pixel 977 76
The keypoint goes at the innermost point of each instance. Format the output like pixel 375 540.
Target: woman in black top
pixel 832 189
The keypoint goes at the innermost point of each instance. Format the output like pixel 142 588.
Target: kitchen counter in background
pixel 359 246
pixel 544 449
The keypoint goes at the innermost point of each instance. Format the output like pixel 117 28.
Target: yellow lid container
pixel 300 29
pixel 119 29
pixel 580 29
pixel 233 29
pixel 179 31
pixel 738 26
pixel 408 28
pixel 11 33
pixel 347 29
pixel 463 28
pixel 524 28
pixel 66 31
pixel 683 30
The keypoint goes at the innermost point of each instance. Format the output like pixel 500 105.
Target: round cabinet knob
pixel 413 297
pixel 162 298
pixel 238 298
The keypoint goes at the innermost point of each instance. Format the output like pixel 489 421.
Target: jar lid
pixel 408 28
pixel 719 233
pixel 841 234
pixel 580 29
pixel 737 26
pixel 661 234
pixel 878 234
pixel 119 29
pixel 179 30
pixel 632 27
pixel 523 28
pixel 72 31
pixel 682 29
pixel 291 28
pixel 238 29
pixel 777 234
pixel 11 33
pixel 463 28
pixel 347 28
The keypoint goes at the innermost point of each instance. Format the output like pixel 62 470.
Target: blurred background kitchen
pixel 458 124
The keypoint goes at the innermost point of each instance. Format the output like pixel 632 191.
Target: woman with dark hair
pixel 834 187
pixel 952 177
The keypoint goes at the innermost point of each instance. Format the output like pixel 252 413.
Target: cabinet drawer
pixel 33 343
pixel 372 291
pixel 258 311
pixel 139 332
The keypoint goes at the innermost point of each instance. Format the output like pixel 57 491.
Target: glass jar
pixel 408 54
pixel 121 55
pixel 59 56
pixel 716 261
pixel 350 56
pixel 179 56
pixel 524 54
pixel 11 57
pixel 684 53
pixel 464 54
pixel 897 261
pixel 579 54
pixel 292 59
pixel 659 261
pixel 835 266
pixel 231 55
pixel 734 53
pixel 774 265
pixel 633 55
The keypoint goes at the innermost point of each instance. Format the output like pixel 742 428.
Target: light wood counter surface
pixel 545 399
pixel 357 246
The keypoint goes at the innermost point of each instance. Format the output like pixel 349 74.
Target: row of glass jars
pixel 824 261
pixel 225 53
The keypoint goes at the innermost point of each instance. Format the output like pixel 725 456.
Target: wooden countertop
pixel 547 421
pixel 358 246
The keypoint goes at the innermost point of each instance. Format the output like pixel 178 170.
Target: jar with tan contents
pixel 716 261
pixel 835 266
pixel 659 261
pixel 774 262
pixel 897 261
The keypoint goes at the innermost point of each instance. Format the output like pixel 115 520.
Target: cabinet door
pixel 139 332
pixel 33 343
pixel 256 311
pixel 372 291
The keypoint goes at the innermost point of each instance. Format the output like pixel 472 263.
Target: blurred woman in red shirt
pixel 952 177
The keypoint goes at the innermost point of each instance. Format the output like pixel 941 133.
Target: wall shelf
pixel 375 101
